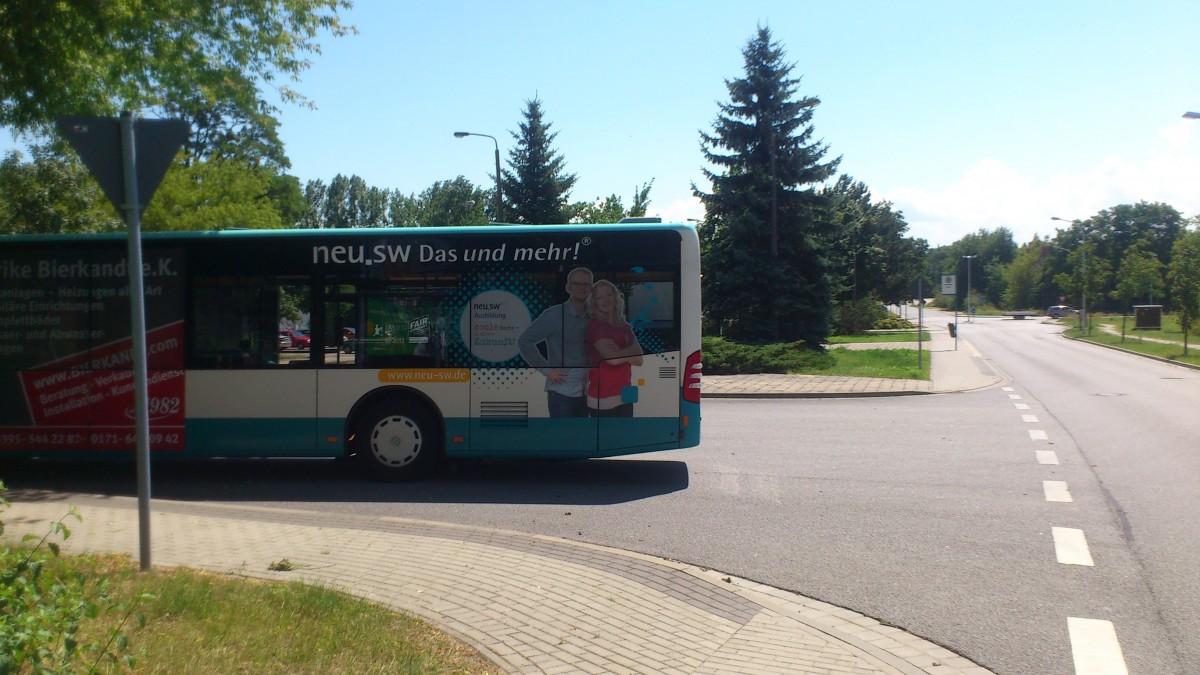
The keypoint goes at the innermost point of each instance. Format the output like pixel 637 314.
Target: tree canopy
pixel 1184 276
pixel 870 252
pixel 765 235
pixel 49 195
pixel 88 57
pixel 537 186
pixel 213 195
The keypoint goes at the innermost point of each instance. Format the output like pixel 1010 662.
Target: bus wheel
pixel 397 439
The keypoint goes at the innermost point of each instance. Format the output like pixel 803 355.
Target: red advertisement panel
pixel 66 357
pixel 86 400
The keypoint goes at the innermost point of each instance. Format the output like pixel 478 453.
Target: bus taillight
pixel 691 378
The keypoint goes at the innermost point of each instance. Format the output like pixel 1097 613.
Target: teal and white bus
pixel 397 347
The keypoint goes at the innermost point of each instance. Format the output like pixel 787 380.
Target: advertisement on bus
pixel 66 374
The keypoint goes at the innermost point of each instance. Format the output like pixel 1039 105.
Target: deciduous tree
pixel 213 195
pixel 1183 275
pixel 1023 277
pixel 1139 276
pixel 871 256
pixel 53 194
pixel 83 56
pixel 611 209
pixel 453 203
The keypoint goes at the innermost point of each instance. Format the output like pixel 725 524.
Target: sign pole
pixel 920 317
pixel 137 297
pixel 102 144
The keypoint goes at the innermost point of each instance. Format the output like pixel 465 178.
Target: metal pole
pixel 499 201
pixel 920 315
pixel 137 313
pixel 970 317
pixel 1083 308
pixel 499 216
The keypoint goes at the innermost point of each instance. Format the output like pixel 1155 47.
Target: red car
pixel 301 339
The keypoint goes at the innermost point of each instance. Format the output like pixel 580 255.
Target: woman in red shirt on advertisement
pixel 614 350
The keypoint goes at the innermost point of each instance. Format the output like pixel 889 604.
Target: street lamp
pixel 499 201
pixel 969 258
pixel 1083 277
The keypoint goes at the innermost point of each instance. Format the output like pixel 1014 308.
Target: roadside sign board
pixel 949 284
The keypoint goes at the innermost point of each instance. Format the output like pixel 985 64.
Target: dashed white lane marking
pixel 1047 457
pixel 1071 547
pixel 1095 648
pixel 1056 491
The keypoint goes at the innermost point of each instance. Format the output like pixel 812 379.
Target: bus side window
pixel 294 321
pixel 405 327
pixel 233 323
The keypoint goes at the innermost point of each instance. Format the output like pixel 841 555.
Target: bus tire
pixel 398 439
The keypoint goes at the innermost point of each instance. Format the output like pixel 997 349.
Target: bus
pixel 394 347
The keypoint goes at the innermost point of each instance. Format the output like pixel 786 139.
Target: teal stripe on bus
pixel 272 437
pixel 562 438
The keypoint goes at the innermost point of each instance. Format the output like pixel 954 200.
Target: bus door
pixel 643 403
pixel 648 407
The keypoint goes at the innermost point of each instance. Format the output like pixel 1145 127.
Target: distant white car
pixel 1059 311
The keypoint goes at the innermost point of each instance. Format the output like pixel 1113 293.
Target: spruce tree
pixel 537 188
pixel 765 235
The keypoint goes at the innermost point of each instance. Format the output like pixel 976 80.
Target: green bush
pixel 725 357
pixel 893 322
pixel 43 601
pixel 855 317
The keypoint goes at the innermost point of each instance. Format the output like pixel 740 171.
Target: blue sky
pixel 962 114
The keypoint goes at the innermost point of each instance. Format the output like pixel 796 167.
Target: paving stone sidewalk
pixel 532 604
pixel 955 366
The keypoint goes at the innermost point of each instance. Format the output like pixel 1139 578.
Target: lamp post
pixel 499 200
pixel 969 258
pixel 1083 283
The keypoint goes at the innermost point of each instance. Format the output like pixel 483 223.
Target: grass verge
pixel 206 623
pixel 891 363
pixel 1144 341
pixel 908 336
pixel 724 357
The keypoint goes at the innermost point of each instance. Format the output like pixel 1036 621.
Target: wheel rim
pixel 396 440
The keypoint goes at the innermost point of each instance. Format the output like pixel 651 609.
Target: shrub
pixel 855 317
pixel 725 357
pixel 893 322
pixel 43 600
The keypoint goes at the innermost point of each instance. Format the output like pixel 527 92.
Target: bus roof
pixel 647 224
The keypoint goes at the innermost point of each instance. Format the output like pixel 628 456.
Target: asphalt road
pixel 927 512
pixel 1131 432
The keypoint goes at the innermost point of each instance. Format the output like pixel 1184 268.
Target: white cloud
pixel 992 194
pixel 680 210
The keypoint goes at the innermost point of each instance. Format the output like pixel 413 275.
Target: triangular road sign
pixel 98 142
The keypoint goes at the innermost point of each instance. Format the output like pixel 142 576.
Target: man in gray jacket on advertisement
pixel 563 331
